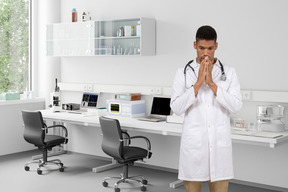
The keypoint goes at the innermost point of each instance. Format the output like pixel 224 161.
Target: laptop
pixel 159 111
pixel 89 101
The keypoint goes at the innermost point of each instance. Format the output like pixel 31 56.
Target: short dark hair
pixel 206 33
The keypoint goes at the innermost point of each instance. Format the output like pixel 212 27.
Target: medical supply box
pixel 128 96
pixel 126 108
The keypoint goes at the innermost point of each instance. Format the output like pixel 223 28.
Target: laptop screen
pixel 89 100
pixel 161 106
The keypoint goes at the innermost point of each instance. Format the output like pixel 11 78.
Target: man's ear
pixel 216 45
pixel 195 47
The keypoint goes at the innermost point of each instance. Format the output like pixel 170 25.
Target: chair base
pixel 42 163
pixel 138 179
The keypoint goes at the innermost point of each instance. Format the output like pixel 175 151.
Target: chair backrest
pixel 33 122
pixel 112 136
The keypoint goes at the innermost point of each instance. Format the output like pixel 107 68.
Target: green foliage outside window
pixel 14 45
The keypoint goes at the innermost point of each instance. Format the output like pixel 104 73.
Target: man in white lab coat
pixel 207 94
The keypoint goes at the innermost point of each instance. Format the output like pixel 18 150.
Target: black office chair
pixel 113 145
pixel 35 132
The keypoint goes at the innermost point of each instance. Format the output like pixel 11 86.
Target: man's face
pixel 205 48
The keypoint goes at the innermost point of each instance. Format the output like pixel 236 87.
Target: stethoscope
pixel 223 75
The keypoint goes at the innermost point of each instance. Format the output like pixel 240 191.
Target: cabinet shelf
pixel 95 38
pixel 132 37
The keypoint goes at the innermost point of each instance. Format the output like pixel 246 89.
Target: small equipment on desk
pixel 128 96
pixel 55 99
pixel 71 106
pixel 126 108
pixel 271 118
pixel 160 109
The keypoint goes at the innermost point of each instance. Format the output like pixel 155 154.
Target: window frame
pixel 30 46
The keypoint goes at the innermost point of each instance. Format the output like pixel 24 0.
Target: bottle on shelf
pixel 74 15
pixel 132 31
pixel 84 17
pixel 88 17
pixel 120 32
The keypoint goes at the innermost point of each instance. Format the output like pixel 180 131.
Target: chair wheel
pixel 61 169
pixel 105 184
pixel 143 188
pixel 39 171
pixel 117 190
pixel 144 182
pixel 27 168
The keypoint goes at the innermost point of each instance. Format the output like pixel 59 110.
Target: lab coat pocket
pixel 223 136
pixel 224 84
pixel 191 138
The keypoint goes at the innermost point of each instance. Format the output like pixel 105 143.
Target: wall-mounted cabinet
pixel 95 38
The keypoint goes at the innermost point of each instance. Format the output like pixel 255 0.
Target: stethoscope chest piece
pixel 223 77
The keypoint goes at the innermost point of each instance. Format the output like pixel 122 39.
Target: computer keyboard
pixel 152 119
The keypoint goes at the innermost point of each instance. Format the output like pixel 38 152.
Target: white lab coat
pixel 206 147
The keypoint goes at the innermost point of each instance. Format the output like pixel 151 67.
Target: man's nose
pixel 206 51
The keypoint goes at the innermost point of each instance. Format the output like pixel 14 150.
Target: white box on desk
pixel 175 119
pixel 126 108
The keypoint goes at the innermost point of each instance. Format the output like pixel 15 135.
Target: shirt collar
pixel 194 64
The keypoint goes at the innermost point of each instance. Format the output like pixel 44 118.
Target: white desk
pixel 162 128
pixel 126 123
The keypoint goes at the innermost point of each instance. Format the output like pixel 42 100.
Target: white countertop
pixel 162 128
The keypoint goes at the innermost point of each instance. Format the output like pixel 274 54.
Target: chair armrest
pixel 147 141
pixel 46 130
pixel 128 136
pixel 54 126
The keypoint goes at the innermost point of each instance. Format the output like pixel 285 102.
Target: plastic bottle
pixel 74 15
pixel 120 32
pixel 88 17
pixel 132 31
pixel 84 17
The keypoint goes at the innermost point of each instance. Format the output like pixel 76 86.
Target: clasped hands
pixel 205 75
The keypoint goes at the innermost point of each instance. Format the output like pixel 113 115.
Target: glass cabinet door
pixel 70 39
pixel 109 41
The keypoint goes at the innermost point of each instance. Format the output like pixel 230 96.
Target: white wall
pixel 11 136
pixel 45 69
pixel 252 38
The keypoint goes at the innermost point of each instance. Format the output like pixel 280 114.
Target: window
pixel 14 45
